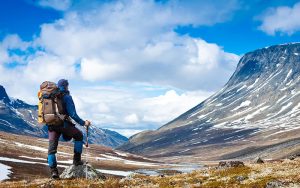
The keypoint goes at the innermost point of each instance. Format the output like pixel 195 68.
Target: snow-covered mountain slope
pixel 260 102
pixel 19 117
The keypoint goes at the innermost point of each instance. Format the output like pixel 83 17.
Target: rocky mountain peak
pixel 3 95
pixel 265 61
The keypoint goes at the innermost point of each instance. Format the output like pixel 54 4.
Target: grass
pixel 249 176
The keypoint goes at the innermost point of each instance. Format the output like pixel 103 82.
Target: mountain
pixel 18 117
pixel 255 113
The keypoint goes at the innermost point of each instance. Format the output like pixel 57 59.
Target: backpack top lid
pixel 48 89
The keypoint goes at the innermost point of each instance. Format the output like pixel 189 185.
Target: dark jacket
pixel 69 106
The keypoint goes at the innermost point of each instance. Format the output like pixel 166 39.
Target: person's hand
pixel 87 123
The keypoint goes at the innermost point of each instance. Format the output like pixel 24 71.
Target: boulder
pixel 81 171
pixel 258 160
pixel 274 184
pixel 294 156
pixel 240 178
pixel 223 164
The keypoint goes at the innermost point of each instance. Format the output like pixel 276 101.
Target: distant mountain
pixel 256 113
pixel 18 117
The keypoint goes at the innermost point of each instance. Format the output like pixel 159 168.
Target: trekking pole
pixel 86 145
pixel 87 137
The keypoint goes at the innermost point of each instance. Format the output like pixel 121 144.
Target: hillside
pixel 255 113
pixel 25 158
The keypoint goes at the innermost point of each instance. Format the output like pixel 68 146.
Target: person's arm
pixel 70 107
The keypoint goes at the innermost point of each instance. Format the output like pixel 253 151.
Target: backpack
pixel 50 108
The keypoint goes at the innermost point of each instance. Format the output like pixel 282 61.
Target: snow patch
pixel 281 98
pixel 220 125
pixel 115 172
pixel 37 148
pixel 244 86
pixel 251 86
pixel 288 75
pixel 5 171
pixel 34 158
pixel 243 104
pixel 201 116
pixel 23 161
pixel 250 116
pixel 125 161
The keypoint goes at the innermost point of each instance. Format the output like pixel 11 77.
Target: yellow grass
pixel 250 176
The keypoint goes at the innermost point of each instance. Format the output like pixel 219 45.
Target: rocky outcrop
pixel 258 160
pixel 81 171
pixel 228 164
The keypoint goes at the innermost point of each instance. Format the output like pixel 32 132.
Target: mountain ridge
pixel 260 97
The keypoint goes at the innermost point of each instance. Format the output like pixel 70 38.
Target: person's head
pixel 63 85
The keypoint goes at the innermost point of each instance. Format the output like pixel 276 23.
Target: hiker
pixel 67 129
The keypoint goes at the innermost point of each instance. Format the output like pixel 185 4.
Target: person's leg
pixel 71 131
pixel 52 150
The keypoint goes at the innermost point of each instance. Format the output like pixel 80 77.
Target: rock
pixel 240 178
pixel 81 171
pixel 292 157
pixel 274 184
pixel 258 160
pixel 172 183
pixel 223 164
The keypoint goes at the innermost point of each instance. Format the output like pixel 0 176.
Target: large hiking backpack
pixel 50 108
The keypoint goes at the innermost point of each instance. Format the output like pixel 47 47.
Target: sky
pixel 135 65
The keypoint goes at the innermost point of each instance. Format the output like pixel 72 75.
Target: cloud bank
pixel 127 67
pixel 282 20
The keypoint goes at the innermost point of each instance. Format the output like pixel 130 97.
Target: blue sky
pixel 135 65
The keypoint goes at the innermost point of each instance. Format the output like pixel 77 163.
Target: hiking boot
pixel 54 173
pixel 77 159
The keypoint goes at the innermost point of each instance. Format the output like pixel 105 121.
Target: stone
pixel 274 184
pixel 81 171
pixel 227 164
pixel 258 160
pixel 240 178
pixel 292 157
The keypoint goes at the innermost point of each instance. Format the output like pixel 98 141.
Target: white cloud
pixel 168 106
pixel 131 109
pixel 14 42
pixel 4 57
pixel 134 41
pixel 127 67
pixel 95 69
pixel 9 43
pixel 282 19
pixel 127 132
pixel 131 119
